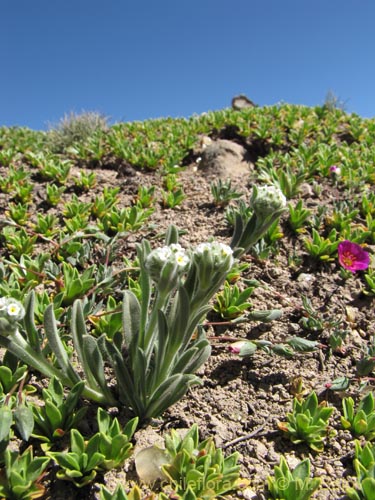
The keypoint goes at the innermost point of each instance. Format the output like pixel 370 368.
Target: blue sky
pixel 134 60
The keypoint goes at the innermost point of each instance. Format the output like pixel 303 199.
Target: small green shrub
pixel 73 128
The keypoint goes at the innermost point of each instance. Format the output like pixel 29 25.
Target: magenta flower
pixel 335 170
pixel 352 256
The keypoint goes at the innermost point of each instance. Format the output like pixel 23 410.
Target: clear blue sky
pixel 137 59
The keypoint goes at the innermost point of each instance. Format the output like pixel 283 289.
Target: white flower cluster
pixel 220 252
pixel 172 254
pixel 266 200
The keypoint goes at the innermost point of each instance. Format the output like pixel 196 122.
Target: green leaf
pixel 170 391
pixel 300 344
pixel 368 488
pixel 311 403
pixel 131 317
pixel 24 419
pixel 29 322
pixel 6 377
pixel 72 398
pixel 69 461
pixel 340 384
pixel 131 427
pixel 77 442
pixel 36 467
pixel 6 420
pixel 54 414
pixel 57 346
pixel 93 365
pixel 302 470
pixel 367 404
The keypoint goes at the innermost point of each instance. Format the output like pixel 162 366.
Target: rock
pixel 261 450
pixel 225 159
pixel 241 102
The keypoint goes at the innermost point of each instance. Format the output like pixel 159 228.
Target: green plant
pixel 171 182
pixel 320 247
pixel 81 463
pixel 73 284
pixel 308 422
pixel 103 203
pixel 76 208
pixel 342 216
pixel 114 442
pixel 298 216
pixel 311 320
pixel 145 196
pixel 231 302
pixel 162 343
pixel 198 469
pixel 360 422
pixel 53 194
pixel 52 168
pixel 20 479
pixel 13 410
pixel 85 181
pixel 222 192
pixel 288 180
pixel 119 493
pixel 23 192
pixel 266 245
pixel 289 348
pixel 235 274
pixel 367 204
pixel 107 449
pixel 318 321
pixel 171 199
pixel 17 176
pixel 18 241
pixel 18 213
pixel 240 209
pixel 59 413
pixel 364 465
pixel 173 194
pixel 109 321
pixel 125 219
pixel 75 128
pixel 267 204
pixel 292 485
pixel 46 225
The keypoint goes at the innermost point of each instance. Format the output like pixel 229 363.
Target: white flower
pixel 202 247
pixel 162 253
pixel 14 309
pixel 175 247
pixel 221 254
pixel 173 255
pixel 11 309
pixel 182 259
pixel 225 250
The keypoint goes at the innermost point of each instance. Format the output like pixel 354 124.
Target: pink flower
pixel 352 256
pixel 335 170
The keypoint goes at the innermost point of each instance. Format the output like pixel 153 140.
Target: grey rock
pixel 241 102
pixel 225 159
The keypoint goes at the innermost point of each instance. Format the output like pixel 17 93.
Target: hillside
pixel 74 210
